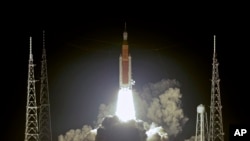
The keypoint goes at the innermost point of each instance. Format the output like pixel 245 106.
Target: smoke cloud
pixel 192 138
pixel 166 111
pixel 161 104
pixel 104 111
pixel 112 129
pixel 159 117
pixel 84 134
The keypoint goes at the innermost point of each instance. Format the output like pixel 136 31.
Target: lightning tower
pixel 201 124
pixel 44 113
pixel 31 126
pixel 216 125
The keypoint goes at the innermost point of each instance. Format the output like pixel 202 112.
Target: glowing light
pixel 125 105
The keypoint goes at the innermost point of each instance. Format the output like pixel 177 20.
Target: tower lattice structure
pixel 216 124
pixel 31 126
pixel 45 133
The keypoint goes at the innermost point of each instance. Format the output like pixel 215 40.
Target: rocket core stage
pixel 125 64
pixel 125 104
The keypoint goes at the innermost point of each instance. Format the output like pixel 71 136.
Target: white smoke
pixel 104 111
pixel 164 107
pixel 155 111
pixel 192 138
pixel 166 111
pixel 84 134
pixel 152 90
pixel 156 133
pixel 158 104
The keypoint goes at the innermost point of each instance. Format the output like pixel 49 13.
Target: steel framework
pixel 45 133
pixel 216 124
pixel 31 126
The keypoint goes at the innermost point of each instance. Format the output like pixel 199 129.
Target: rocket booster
pixel 125 64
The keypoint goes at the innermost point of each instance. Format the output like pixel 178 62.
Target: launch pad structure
pixel 216 132
pixel 31 125
pixel 38 127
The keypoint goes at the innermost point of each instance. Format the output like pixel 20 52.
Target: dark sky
pixel 83 51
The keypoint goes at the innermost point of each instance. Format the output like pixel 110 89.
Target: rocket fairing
pixel 125 64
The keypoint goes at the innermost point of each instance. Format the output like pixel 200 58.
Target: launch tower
pixel 216 125
pixel 44 113
pixel 31 126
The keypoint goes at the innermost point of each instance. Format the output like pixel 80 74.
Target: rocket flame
pixel 125 105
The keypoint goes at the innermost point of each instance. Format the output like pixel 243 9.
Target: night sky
pixel 83 61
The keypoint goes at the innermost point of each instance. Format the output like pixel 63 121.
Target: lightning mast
pixel 44 115
pixel 216 125
pixel 31 126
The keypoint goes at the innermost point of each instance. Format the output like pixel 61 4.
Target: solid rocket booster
pixel 125 64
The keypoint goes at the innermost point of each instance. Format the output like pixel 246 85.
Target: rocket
pixel 125 64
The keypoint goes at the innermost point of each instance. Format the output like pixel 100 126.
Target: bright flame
pixel 125 105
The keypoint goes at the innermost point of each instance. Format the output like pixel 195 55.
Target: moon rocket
pixel 125 64
pixel 125 104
